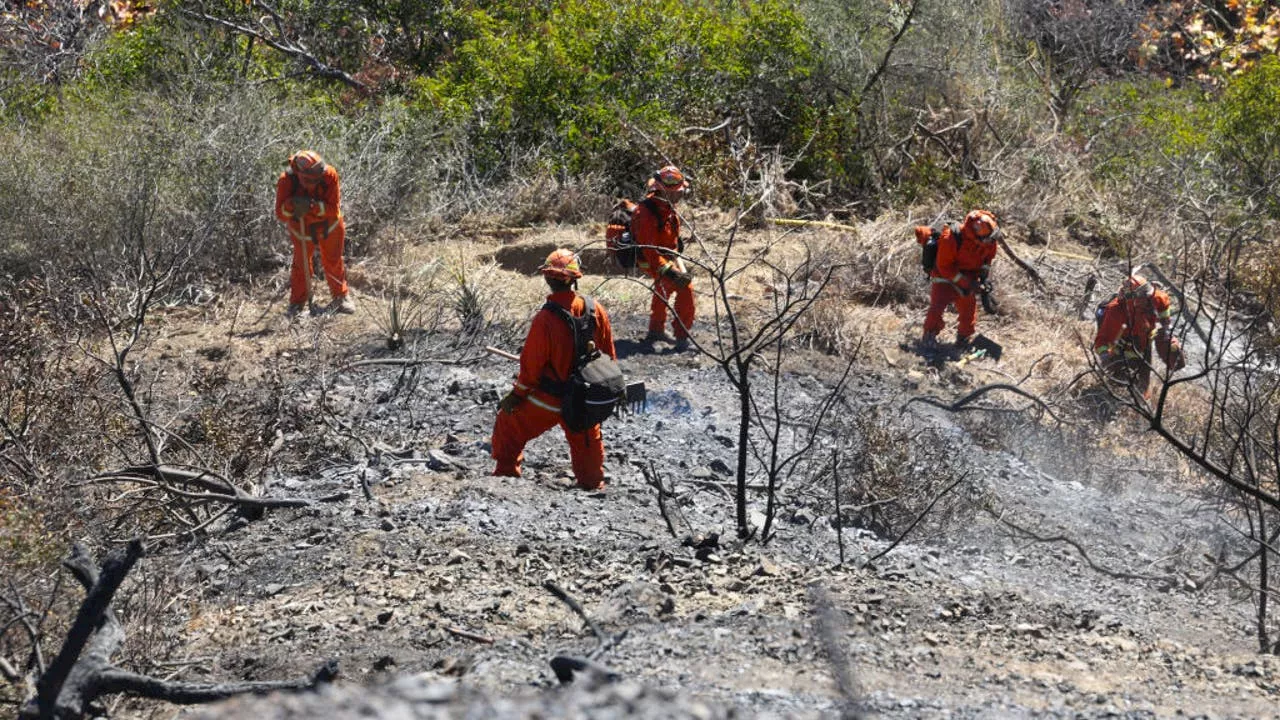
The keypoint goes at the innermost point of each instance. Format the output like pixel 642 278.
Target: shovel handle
pixel 501 353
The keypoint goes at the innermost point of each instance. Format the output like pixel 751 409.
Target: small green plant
pixel 470 302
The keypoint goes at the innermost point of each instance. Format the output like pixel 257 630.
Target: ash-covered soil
pixel 1047 580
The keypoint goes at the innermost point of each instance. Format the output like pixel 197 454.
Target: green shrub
pixel 578 76
pixel 1245 135
pixel 1135 127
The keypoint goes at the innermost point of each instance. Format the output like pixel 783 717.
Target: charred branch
pixel 1084 555
pixel 566 666
pixel 216 488
pixel 82 671
pixel 962 403
pixel 66 688
pixel 468 635
pixel 916 521
pixel 113 680
pixel 654 479
pixel 567 599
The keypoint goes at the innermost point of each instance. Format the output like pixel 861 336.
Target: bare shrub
pixel 891 474
pixel 1079 42
pixel 535 196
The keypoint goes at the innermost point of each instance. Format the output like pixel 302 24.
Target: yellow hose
pixel 819 223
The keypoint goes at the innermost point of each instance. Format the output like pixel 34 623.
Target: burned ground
pixel 425 577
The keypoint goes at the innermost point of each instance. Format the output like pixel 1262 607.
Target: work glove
pixel 301 205
pixel 681 279
pixel 510 402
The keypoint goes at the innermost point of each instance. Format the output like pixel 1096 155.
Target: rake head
pixel 635 399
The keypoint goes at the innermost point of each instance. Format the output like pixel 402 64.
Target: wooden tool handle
pixel 501 353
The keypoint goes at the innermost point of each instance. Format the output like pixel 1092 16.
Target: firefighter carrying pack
pixel 595 384
pixel 929 251
pixel 617 233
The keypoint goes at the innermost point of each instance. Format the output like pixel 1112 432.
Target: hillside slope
pixel 423 567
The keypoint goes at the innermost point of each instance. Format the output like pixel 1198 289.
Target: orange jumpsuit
pixel 659 239
pixel 548 353
pixel 955 278
pixel 1125 333
pixel 322 225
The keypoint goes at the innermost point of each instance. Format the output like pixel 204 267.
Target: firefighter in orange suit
pixel 658 236
pixel 547 360
pixel 959 274
pixel 1127 324
pixel 308 202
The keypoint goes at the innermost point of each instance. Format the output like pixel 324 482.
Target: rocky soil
pixel 426 577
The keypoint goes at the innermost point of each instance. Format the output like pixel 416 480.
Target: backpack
pixel 929 251
pixel 595 382
pixel 1101 310
pixel 617 234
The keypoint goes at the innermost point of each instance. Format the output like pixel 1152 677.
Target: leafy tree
pixel 1209 40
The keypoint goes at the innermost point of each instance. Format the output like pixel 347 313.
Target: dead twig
pixel 9 672
pixel 407 362
pixel 282 45
pixel 468 635
pixel 654 480
pixel 835 478
pixel 565 598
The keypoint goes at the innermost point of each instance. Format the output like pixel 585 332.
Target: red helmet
pixel 982 224
pixel 562 265
pixel 670 178
pixel 307 164
pixel 1136 286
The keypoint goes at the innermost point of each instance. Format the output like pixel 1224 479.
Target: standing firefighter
pixel 1127 324
pixel 547 361
pixel 308 202
pixel 958 272
pixel 656 229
